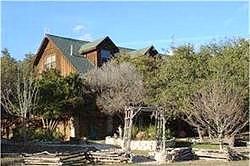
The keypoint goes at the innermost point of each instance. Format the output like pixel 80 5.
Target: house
pixel 69 55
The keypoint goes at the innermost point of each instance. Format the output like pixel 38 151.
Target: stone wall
pixel 135 144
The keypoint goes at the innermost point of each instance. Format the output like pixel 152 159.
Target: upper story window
pixel 105 55
pixel 50 62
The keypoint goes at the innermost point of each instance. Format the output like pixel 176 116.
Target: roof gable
pixel 64 45
pixel 151 51
pixel 98 43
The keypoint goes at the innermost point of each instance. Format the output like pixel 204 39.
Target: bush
pixel 28 134
pixel 150 132
pixel 23 133
pixel 47 135
pixel 169 134
pixel 134 132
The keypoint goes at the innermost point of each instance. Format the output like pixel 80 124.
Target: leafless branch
pixel 218 108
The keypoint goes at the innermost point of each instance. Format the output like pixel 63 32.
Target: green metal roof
pixel 82 64
pixel 144 51
pixel 64 44
pixel 90 46
pixel 93 45
pixel 125 50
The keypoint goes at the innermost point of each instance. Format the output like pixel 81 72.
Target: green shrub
pixel 169 134
pixel 23 133
pixel 134 132
pixel 47 135
pixel 150 132
pixel 28 134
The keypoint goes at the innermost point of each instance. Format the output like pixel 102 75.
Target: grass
pixel 205 146
pixel 141 152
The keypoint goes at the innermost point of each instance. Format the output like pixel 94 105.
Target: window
pixel 50 62
pixel 105 55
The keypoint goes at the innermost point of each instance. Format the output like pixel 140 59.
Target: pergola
pixel 160 121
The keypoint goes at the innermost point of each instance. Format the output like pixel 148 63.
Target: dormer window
pixel 105 55
pixel 50 62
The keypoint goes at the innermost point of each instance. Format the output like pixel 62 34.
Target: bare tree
pixel 219 109
pixel 119 87
pixel 21 100
pixel 49 124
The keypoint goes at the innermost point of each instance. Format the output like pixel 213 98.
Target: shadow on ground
pixel 36 147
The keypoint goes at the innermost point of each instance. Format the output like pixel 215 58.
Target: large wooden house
pixel 68 55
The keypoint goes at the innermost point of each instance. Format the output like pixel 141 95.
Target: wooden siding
pixel 92 56
pixel 95 57
pixel 62 64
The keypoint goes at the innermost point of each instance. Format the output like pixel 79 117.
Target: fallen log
pixel 233 155
pixel 75 158
pixel 180 154
pixel 211 155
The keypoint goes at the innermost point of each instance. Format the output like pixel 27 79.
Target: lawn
pixel 141 152
pixel 205 146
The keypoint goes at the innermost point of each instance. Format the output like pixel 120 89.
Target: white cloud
pixel 79 28
pixel 81 32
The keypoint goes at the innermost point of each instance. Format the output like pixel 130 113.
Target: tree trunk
pixel 232 141
pixel 200 133
pixel 49 124
pixel 209 134
pixel 131 113
pixel 24 127
pixel 125 129
pixel 221 145
pixel 164 134
pixel 128 123
pixel 221 142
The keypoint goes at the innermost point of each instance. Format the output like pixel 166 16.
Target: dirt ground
pixel 201 163
pixel 8 161
pixel 142 159
pixel 17 162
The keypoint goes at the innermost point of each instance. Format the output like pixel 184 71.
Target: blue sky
pixel 128 24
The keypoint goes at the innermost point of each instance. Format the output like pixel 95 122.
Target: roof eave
pixel 39 50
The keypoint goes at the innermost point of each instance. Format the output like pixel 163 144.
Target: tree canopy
pixel 173 79
pixel 168 81
pixel 116 86
pixel 59 94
